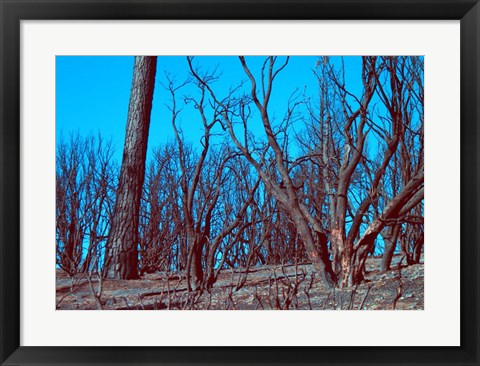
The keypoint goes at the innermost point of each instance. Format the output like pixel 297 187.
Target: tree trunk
pixel 316 249
pixel 195 270
pixel 347 265
pixel 336 245
pixel 122 245
pixel 390 236
pixel 358 271
pixel 418 250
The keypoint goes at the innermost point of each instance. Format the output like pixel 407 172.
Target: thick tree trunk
pixel 342 251
pixel 316 249
pixel 195 270
pixel 347 265
pixel 336 244
pixel 122 245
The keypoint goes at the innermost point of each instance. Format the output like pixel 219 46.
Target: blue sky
pixel 92 92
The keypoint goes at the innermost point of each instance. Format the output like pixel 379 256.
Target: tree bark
pixel 390 236
pixel 122 245
pixel 316 248
pixel 417 253
pixel 194 261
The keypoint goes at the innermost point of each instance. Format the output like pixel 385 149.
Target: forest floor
pixel 263 287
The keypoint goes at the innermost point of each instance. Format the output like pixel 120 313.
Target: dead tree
pixel 275 173
pixel 353 180
pixel 202 183
pixel 121 258
pixel 85 180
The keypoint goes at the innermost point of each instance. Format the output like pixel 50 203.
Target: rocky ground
pixel 266 287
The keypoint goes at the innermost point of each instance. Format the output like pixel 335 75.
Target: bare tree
pixel 275 174
pixel 343 126
pixel 85 184
pixel 160 223
pixel 202 181
pixel 404 104
pixel 354 138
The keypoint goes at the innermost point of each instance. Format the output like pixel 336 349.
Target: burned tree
pixel 85 181
pixel 355 140
pixel 275 173
pixel 121 258
pixel 202 178
pixel 402 95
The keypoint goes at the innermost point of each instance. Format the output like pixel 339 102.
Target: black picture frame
pixel 11 14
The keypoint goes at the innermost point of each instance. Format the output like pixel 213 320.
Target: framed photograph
pixel 206 166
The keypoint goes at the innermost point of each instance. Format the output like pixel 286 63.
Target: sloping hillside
pixel 266 287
